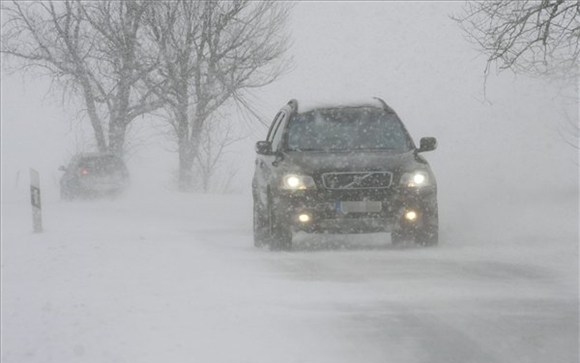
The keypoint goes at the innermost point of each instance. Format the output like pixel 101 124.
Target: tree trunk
pixel 117 131
pixel 185 149
pixel 186 158
pixel 98 131
pixel 205 182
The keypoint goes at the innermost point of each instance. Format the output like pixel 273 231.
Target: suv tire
pixel 427 236
pixel 261 227
pixel 280 232
pixel 281 239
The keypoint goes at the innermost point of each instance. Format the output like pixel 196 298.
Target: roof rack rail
pixel 293 105
pixel 385 106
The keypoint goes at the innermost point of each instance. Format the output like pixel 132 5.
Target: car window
pixel 347 129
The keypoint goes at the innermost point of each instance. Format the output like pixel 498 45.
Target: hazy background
pixel 504 143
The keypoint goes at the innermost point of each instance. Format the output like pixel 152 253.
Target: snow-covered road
pixel 175 278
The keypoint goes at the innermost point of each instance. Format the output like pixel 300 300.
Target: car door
pixel 264 172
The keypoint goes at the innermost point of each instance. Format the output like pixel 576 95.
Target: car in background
pixel 91 175
pixel 343 169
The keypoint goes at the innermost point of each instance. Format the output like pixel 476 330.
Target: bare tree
pixel 211 52
pixel 531 36
pixel 215 139
pixel 93 50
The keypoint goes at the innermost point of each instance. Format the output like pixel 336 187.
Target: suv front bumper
pixel 348 211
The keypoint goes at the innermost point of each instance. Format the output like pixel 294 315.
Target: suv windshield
pixel 345 129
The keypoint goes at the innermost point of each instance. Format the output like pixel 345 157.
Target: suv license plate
pixel 365 206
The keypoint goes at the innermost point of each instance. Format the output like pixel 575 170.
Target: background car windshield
pixel 346 129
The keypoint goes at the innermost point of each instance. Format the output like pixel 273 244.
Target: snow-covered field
pixel 169 277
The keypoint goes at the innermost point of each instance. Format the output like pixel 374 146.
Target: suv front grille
pixel 357 180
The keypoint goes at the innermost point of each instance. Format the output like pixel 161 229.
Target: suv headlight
pixel 297 182
pixel 416 179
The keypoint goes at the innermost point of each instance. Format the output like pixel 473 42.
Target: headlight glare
pixel 419 179
pixel 293 182
pixel 297 182
pixel 415 179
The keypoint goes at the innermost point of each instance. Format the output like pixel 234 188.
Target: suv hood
pixel 320 162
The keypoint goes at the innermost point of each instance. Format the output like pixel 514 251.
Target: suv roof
pixel 366 102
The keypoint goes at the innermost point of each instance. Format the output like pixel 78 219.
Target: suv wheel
pixel 280 232
pixel 428 236
pixel 260 226
pixel 399 238
pixel 281 239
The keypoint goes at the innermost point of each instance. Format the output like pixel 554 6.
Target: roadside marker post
pixel 35 201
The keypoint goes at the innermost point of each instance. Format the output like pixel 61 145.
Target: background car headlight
pixel 415 179
pixel 297 182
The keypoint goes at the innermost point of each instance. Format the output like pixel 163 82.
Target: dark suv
pixel 343 169
pixel 93 175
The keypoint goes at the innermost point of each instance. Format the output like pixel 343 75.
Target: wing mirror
pixel 427 144
pixel 264 147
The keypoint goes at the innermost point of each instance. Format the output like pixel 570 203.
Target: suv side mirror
pixel 264 147
pixel 427 144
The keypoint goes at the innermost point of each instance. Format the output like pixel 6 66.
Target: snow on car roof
pixel 306 106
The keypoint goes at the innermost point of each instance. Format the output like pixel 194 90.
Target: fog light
pixel 411 215
pixel 304 218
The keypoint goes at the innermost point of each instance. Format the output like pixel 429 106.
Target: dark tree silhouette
pixel 531 36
